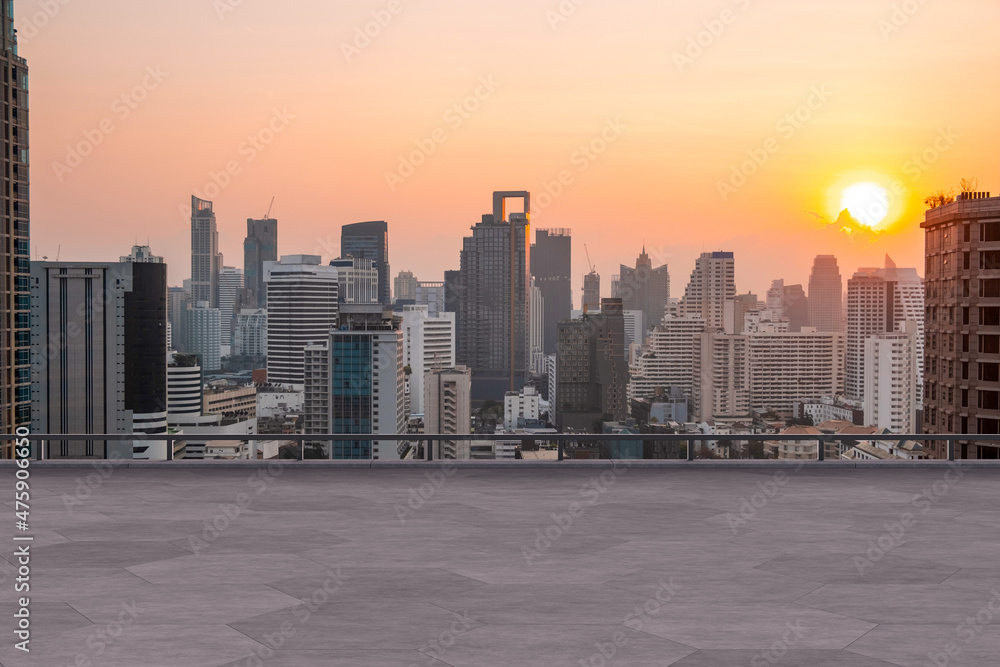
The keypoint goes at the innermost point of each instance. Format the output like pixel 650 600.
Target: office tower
pixel 206 262
pixel 99 338
pixel 735 312
pixel 405 287
pixel 826 295
pixel 302 307
pixel 178 301
pixel 230 286
pixel 141 254
pixel 448 410
pixel 260 245
pixel 15 254
pixel 493 315
pixel 370 240
pixel 645 288
pixel 521 406
pixel 250 333
pixel 551 266
pixel 551 368
pixel 536 329
pixel 203 335
pixel 668 359
pixel 635 329
pixel 434 296
pixel 962 390
pixel 713 282
pixel 358 280
pixel 355 384
pixel 891 379
pixel 878 300
pixel 592 292
pixel 796 305
pixel 592 372
pixel 428 344
pixel 184 388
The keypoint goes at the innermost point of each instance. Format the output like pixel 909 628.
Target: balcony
pixel 561 563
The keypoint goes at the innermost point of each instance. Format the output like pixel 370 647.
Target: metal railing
pixel 574 446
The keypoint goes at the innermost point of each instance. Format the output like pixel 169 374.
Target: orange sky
pixel 226 66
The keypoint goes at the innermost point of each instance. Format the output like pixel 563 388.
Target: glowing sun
pixel 867 202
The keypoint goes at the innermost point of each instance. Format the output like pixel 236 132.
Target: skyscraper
pixel 429 343
pixel 891 380
pixel 99 358
pixel 260 245
pixel 230 286
pixel 536 325
pixel 645 288
pixel 962 390
pixel 405 287
pixel 712 284
pixel 301 309
pixel 15 337
pixel 493 316
pixel 826 295
pixel 551 265
pixel 206 262
pixel 668 359
pixel 592 292
pixel 370 240
pixel 358 280
pixel 203 337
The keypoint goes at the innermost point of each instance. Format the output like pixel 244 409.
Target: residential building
pixel 250 333
pixel 428 344
pixel 520 406
pixel 206 261
pixel 712 283
pixel 358 280
pixel 202 335
pixel 668 358
pixel 260 246
pixel 448 410
pixel 405 287
pixel 892 377
pixel 370 240
pixel 230 288
pixel 432 295
pixel 635 329
pixel 552 269
pixel 826 295
pixel 302 297
pixel 735 312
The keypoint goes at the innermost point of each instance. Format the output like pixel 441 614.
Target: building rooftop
pixel 360 567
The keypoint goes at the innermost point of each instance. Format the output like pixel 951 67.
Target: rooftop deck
pixel 136 567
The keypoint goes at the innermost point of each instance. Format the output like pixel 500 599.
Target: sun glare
pixel 867 202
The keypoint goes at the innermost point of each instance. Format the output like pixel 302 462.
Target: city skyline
pixel 686 130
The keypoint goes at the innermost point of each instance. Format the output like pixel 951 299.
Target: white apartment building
pixel 448 409
pixel 525 404
pixel 428 344
pixel 891 378
pixel 713 282
pixel 668 359
pixel 230 285
pixel 203 337
pixel 357 280
pixel 250 333
pixel 536 330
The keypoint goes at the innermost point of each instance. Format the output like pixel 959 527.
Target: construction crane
pixel 267 216
pixel 593 269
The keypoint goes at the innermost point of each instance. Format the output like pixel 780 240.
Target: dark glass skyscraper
pixel 551 265
pixel 260 245
pixel 15 362
pixel 370 240
pixel 645 288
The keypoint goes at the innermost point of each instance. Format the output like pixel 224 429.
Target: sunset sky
pixel 225 68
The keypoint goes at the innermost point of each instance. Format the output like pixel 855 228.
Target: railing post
pixel 690 451
pixel 430 449
pixel 951 449
pixel 821 450
pixel 559 447
pixel 170 449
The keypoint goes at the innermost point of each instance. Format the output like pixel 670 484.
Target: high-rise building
pixel 592 372
pixel 370 240
pixel 592 292
pixel 891 379
pixel 355 384
pixel 668 359
pixel 185 384
pixel 645 288
pixel 878 301
pixel 635 329
pixel 962 389
pixel 405 287
pixel 230 287
pixel 203 337
pixel 520 406
pixel 826 295
pixel 448 410
pixel 713 282
pixel 434 296
pixel 796 305
pixel 260 245
pixel 428 344
pixel 358 280
pixel 735 312
pixel 536 327
pixel 551 266
pixel 302 298
pixel 493 316
pixel 99 339
pixel 15 253
pixel 206 261
pixel 250 333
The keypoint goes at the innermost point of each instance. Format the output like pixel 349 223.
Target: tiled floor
pixel 526 568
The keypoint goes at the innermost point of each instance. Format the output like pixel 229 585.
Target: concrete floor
pixel 527 568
